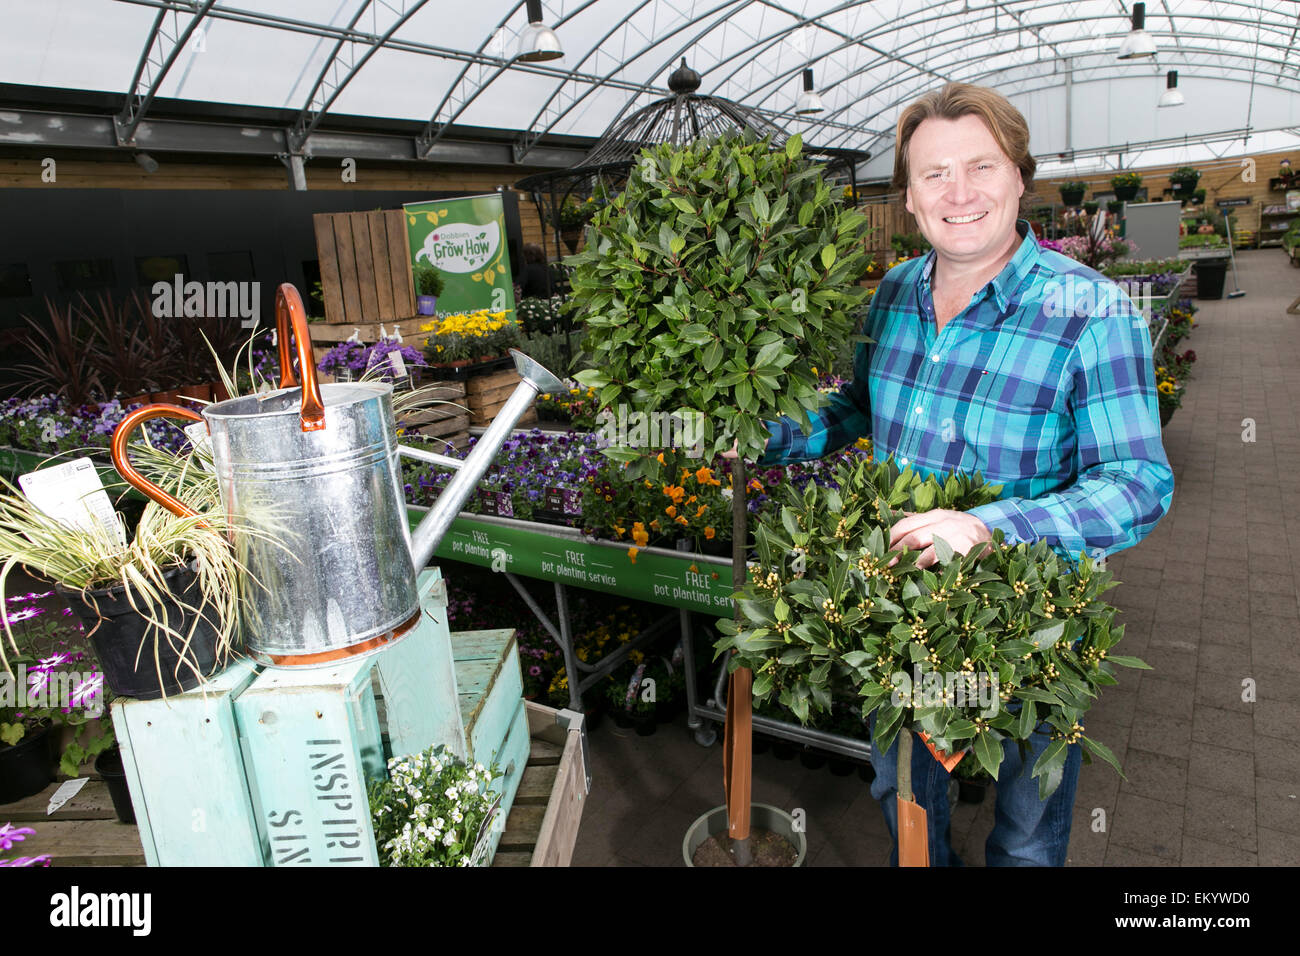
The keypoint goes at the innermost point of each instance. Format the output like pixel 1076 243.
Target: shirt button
pixel 919 410
pixel 902 461
pixel 934 357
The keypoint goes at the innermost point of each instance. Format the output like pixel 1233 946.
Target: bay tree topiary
pixel 718 283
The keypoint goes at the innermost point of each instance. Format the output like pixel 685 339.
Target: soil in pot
pixel 765 847
pixel 26 767
pixel 109 766
pixel 117 630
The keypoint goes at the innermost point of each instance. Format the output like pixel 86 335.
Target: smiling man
pixel 991 354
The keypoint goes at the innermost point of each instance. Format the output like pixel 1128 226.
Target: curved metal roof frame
pixel 871 56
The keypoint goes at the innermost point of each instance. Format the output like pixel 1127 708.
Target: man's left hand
pixel 959 529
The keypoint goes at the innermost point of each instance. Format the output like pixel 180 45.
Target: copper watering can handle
pixel 289 310
pixel 128 472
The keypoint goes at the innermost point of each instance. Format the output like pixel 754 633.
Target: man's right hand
pixel 735 450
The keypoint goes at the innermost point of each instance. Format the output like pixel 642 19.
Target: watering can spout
pixel 430 532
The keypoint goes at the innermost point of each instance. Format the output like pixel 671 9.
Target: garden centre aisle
pixel 1209 600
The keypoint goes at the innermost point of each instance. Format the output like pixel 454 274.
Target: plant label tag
pixel 202 442
pixel 73 494
pixel 398 363
pixel 563 501
pixel 67 790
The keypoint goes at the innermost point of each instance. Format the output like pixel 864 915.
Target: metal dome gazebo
pixel 684 117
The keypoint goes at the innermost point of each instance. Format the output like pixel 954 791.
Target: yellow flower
pixel 671 510
pixel 704 476
pixel 639 534
pixel 709 533
pixel 631 553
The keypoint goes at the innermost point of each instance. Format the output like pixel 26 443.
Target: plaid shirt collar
pixel 1002 287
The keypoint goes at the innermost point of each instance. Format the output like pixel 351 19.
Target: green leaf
pixel 989 753
pixel 942 549
pixel 713 353
pixel 828 255
pixel 1102 751
pixel 1053 758
pixel 793 145
pixel 1028 720
pixel 1128 661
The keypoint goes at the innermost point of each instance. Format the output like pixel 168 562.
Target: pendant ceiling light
pixel 1138 43
pixel 538 42
pixel 808 102
pixel 1171 96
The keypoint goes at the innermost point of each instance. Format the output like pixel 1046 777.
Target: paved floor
pixel 1210 601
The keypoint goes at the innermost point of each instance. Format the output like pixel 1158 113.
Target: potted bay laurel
pixel 959 657
pixel 711 289
pixel 159 604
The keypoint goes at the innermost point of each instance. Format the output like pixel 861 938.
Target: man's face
pixel 963 190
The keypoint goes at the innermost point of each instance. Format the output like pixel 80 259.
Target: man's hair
pixel 955 100
pixel 533 253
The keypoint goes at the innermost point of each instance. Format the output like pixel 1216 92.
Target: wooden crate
pixel 365 266
pixel 449 422
pixel 487 394
pixel 542 829
pixel 186 774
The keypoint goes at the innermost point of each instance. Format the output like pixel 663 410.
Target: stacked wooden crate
pixel 365 267
pixel 486 394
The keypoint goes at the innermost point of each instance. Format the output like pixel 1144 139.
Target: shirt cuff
pixel 1006 515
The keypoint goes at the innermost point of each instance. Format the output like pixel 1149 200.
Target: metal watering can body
pixel 315 470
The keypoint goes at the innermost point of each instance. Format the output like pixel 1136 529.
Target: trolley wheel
pixel 706 736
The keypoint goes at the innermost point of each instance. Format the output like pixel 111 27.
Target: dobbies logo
pixel 75 909
pixel 215 300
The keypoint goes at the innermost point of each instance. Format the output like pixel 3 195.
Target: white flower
pixel 450 793
pixel 450 838
pixel 457 816
pixel 478 767
pixel 439 823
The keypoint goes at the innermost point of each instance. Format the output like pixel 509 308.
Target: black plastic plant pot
pixel 1210 274
pixel 812 759
pixel 971 791
pixel 783 750
pixel 125 641
pixel 645 724
pixel 1072 197
pixel 841 767
pixel 1126 193
pixel 26 767
pixel 109 766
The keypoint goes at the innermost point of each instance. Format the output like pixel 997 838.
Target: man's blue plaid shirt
pixel 1044 383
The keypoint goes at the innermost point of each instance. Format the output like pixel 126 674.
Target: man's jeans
pixel 1026 831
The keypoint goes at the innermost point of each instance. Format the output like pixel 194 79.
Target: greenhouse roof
pixel 444 66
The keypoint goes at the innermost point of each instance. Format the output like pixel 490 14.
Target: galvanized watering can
pixel 316 468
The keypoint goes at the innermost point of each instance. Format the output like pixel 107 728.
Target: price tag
pixel 73 493
pixel 563 501
pixel 497 503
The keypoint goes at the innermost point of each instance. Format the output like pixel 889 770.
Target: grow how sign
pixel 465 240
